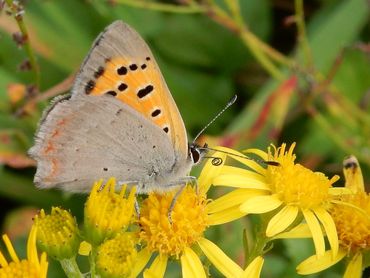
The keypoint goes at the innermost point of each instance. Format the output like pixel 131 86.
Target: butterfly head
pixel 196 152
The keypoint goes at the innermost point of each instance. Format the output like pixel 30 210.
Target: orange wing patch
pixel 136 84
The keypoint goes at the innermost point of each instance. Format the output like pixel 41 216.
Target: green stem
pixel 302 37
pixel 234 8
pixel 258 248
pixel 336 136
pixel 92 262
pixel 250 40
pixel 191 8
pixel 15 9
pixel 71 268
pixel 254 46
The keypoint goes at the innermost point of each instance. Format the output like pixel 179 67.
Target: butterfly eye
pixel 194 154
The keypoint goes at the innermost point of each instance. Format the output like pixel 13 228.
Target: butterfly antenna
pixel 216 161
pixel 231 102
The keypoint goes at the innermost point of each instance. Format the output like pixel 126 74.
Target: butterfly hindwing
pixel 84 139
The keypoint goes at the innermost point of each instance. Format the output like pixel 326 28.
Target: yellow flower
pixel 288 191
pixel 352 219
pixel 107 212
pixel 57 233
pixel 32 267
pixel 117 257
pixel 182 239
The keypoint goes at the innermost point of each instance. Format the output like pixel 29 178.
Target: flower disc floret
pixel 107 212
pixel 116 257
pixel 293 183
pixel 189 220
pixel 353 225
pixel 57 233
pixel 32 267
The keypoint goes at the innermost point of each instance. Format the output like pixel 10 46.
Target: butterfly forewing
pixel 120 64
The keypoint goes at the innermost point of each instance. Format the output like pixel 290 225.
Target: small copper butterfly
pixel 119 121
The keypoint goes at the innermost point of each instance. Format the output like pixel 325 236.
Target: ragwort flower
pixel 107 212
pixel 32 267
pixel 286 189
pixel 57 233
pixel 182 239
pixel 117 257
pixel 352 219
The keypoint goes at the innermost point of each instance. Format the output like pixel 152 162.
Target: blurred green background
pixel 304 80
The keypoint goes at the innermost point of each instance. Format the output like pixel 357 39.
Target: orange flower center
pixel 189 220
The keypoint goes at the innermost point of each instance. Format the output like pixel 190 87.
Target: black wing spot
pixel 156 112
pixel 99 72
pixel 166 129
pixel 105 169
pixel 143 66
pixel 119 111
pixel 154 146
pixel 89 86
pixel 122 70
pixel 145 91
pixel 147 58
pixel 112 93
pixel 122 87
pixel 133 67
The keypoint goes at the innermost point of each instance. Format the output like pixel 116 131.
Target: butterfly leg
pixel 136 204
pixel 137 208
pixel 182 182
pixel 173 202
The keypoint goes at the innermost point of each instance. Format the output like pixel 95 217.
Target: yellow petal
pixel 241 181
pixel 209 172
pixel 263 155
pixel 281 220
pixel 261 204
pixel 3 262
pixel 141 260
pixel 225 216
pixel 330 229
pixel 250 163
pixel 317 235
pixel 219 259
pixel 354 267
pixel 31 243
pixel 231 199
pixel 10 248
pixel 43 265
pixel 314 264
pixel 337 191
pixel 231 170
pixel 243 159
pixel 157 268
pixel 254 268
pixel 299 231
pixel 84 249
pixel 191 265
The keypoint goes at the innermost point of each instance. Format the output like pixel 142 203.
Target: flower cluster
pixel 290 200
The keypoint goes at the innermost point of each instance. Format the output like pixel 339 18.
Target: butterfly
pixel 119 121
